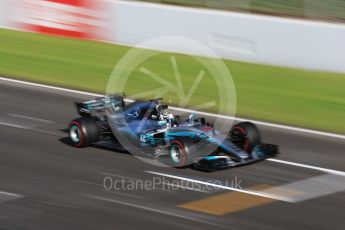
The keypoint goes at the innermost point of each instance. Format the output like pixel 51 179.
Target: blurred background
pixel 286 59
pixel 332 10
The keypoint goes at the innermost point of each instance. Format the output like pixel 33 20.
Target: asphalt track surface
pixel 47 184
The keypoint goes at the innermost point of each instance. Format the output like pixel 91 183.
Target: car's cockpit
pixel 148 115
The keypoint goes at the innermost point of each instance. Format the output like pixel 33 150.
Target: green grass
pixel 288 96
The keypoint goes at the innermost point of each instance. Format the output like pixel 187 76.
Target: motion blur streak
pixel 295 129
pixel 254 193
pixel 331 171
pixel 39 165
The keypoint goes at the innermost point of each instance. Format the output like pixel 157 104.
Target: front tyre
pixel 245 135
pixel 182 153
pixel 177 153
pixel 83 131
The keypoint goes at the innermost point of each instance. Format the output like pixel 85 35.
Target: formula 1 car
pixel 148 128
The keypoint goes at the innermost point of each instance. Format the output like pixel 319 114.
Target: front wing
pixel 219 162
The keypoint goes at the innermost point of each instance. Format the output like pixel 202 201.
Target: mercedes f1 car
pixel 149 128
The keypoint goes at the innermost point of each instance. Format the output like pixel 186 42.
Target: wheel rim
pixel 239 138
pixel 176 153
pixel 74 134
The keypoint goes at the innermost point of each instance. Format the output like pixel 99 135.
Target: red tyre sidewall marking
pixel 81 141
pixel 244 132
pixel 184 154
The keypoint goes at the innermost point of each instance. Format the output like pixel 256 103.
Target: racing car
pixel 149 128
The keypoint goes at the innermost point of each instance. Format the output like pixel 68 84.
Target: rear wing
pixel 99 104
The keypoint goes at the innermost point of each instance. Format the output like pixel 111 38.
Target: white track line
pixel 331 171
pixel 57 204
pixel 295 192
pixel 285 127
pixel 49 87
pixel 30 118
pixel 13 125
pixel 272 125
pixel 251 192
pixel 295 129
pixel 310 188
pixel 185 187
pixel 9 194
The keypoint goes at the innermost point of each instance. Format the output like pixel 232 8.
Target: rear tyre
pixel 245 135
pixel 83 131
